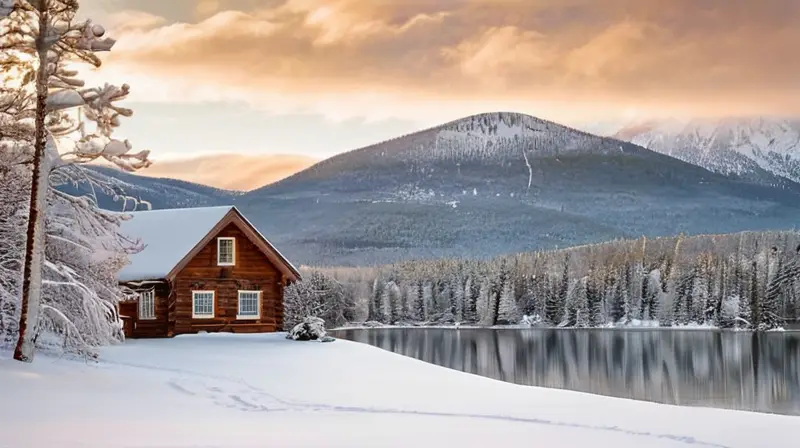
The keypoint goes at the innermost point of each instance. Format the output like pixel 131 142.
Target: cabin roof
pixel 172 236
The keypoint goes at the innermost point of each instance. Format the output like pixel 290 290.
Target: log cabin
pixel 202 269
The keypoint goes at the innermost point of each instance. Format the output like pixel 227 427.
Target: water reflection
pixel 759 372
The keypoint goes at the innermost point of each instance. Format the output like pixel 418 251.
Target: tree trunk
pixel 34 243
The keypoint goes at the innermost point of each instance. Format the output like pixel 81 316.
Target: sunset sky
pixel 317 77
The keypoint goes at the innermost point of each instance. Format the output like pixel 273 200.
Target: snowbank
pixel 232 391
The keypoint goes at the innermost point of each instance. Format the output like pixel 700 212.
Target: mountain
pixel 485 185
pixel 765 150
pixel 500 183
pixel 159 192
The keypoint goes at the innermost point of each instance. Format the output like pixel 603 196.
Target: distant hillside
pixel 160 193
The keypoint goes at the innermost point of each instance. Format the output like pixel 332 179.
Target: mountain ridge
pixel 764 149
pixel 486 185
pixel 451 191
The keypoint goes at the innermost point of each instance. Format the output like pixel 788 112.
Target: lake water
pixel 736 370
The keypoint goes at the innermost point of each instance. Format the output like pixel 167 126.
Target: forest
pixel 745 280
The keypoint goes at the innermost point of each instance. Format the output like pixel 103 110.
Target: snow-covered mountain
pixel 500 183
pixel 487 185
pixel 754 148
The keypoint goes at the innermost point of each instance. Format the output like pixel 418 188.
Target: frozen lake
pixel 734 370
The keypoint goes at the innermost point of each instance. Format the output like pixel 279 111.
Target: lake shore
pixel 238 391
pixel 647 326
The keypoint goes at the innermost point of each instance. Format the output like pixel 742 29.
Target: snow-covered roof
pixel 168 235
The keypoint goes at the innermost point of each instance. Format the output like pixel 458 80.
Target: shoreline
pixel 536 327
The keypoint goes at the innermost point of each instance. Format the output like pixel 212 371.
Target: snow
pixel 224 390
pixel 771 143
pixel 168 236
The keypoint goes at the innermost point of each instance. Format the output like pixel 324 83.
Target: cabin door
pixel 128 312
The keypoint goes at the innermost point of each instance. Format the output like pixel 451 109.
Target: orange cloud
pixel 344 54
pixel 230 171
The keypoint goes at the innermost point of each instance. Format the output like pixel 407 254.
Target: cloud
pixel 215 170
pixel 400 57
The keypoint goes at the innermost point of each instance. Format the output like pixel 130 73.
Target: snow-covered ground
pixel 235 391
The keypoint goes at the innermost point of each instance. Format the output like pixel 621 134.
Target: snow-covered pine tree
pixel 427 301
pixel 471 293
pixel 558 308
pixel 779 280
pixel 753 298
pixel 317 295
pixel 595 289
pixel 483 302
pixel 621 307
pixel 47 35
pixel 578 304
pixel 682 303
pixel 498 284
pixel 508 313
pixel 418 304
pixel 401 306
pixel 444 301
pixel 529 301
pixel 373 310
pixel 387 306
pixel 458 298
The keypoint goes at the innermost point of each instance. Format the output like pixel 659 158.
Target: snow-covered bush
pixel 310 329
pixel 317 295
pixel 531 320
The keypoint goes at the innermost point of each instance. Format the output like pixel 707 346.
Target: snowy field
pixel 236 391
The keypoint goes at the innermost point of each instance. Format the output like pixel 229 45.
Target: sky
pixel 313 78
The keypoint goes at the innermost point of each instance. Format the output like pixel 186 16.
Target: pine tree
pixel 682 311
pixel 617 310
pixel 472 293
pixel 508 313
pixel 755 302
pixel 418 305
pixel 562 295
pixel 553 311
pixel 483 302
pixel 444 300
pixel 768 307
pixel 458 299
pixel 595 299
pixel 579 304
pixel 376 311
pixel 529 297
pixel 427 301
pixel 498 285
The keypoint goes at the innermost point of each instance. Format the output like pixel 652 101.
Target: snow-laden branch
pixel 51 123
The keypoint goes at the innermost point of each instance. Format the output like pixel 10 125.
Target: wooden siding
pixel 252 271
pixel 149 328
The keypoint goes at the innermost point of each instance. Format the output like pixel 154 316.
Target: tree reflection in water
pixel 736 370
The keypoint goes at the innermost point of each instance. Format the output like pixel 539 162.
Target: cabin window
pixel 147 305
pixel 202 304
pixel 226 248
pixel 249 305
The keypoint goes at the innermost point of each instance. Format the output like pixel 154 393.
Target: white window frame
pixel 233 250
pixel 213 305
pixel 239 314
pixel 147 298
